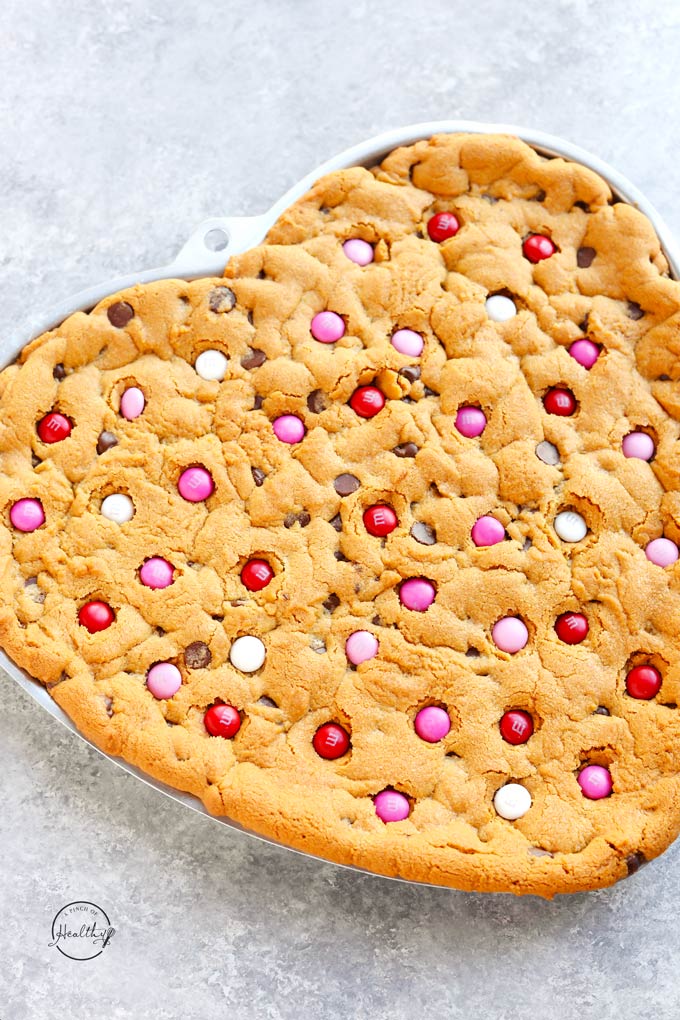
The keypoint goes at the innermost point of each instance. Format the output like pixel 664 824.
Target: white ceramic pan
pixel 206 253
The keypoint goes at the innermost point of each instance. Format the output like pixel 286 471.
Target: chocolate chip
pixel 582 205
pixel 633 311
pixel 269 702
pixel 346 484
pixel 302 518
pixel 410 372
pixel 120 313
pixel 539 196
pixel 473 653
pixel 340 556
pixel 105 442
pixel 376 621
pixel 336 522
pixel 258 475
pixel 405 450
pixel 221 299
pixel 430 393
pixel 316 401
pixel 254 358
pixel 59 372
pixel 257 402
pixel 423 533
pixel 35 460
pixel 548 453
pixel 197 655
pixel 601 710
pixel 635 861
pixel 584 257
pixel 331 603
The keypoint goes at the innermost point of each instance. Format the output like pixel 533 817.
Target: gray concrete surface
pixel 122 124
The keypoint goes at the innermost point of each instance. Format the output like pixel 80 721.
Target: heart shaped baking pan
pixel 228 247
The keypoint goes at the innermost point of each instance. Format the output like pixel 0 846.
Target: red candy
pixel 643 682
pixel 256 575
pixel 516 726
pixel 54 427
pixel 380 520
pixel 538 247
pixel 558 401
pixel 222 721
pixel 96 616
pixel 331 741
pixel 367 401
pixel 442 226
pixel 572 628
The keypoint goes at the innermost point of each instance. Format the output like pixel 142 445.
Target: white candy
pixel 118 508
pixel 512 801
pixel 211 365
pixel 247 653
pixel 500 308
pixel 570 526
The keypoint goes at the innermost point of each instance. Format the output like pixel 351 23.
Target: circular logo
pixel 81 930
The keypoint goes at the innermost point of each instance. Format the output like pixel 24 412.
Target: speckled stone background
pixel 123 123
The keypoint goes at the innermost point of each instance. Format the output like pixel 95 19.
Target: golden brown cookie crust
pixel 278 501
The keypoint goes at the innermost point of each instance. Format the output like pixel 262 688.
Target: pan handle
pixel 214 241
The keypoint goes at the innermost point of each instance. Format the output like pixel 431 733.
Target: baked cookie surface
pixel 372 544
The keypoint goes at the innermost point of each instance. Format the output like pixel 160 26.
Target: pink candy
pixel 585 352
pixel 163 680
pixel 156 573
pixel 417 593
pixel 132 403
pixel 391 806
pixel 510 634
pixel 195 484
pixel 470 422
pixel 639 445
pixel 407 341
pixel 327 327
pixel 361 646
pixel 595 782
pixel 662 552
pixel 288 428
pixel 487 531
pixel 27 515
pixel 432 724
pixel 358 251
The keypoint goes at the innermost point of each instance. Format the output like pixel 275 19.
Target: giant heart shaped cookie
pixel 372 545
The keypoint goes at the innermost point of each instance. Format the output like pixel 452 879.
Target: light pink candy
pixel 417 593
pixel 470 422
pixel 358 251
pixel 407 341
pixel 156 573
pixel 487 531
pixel 288 428
pixel 132 403
pixel 595 782
pixel 432 724
pixel 361 646
pixel 391 806
pixel 195 484
pixel 585 352
pixel 27 515
pixel 510 634
pixel 327 327
pixel 163 680
pixel 639 445
pixel 662 552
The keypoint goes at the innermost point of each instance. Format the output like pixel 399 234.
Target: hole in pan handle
pixel 214 241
